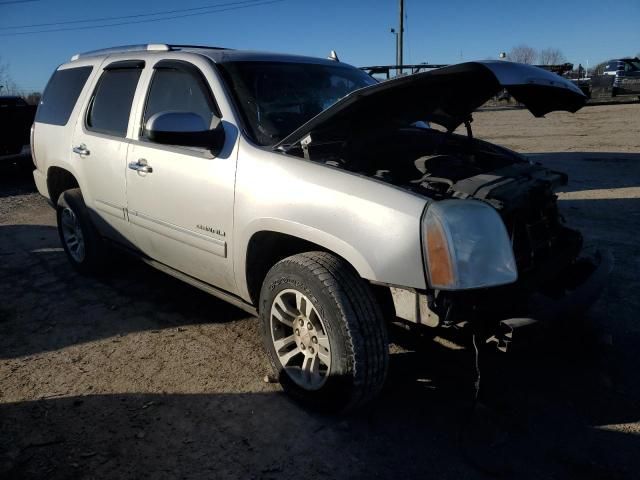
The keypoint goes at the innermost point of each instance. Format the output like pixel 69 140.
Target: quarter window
pixel 61 95
pixel 179 89
pixel 111 105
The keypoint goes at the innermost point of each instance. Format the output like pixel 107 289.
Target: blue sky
pixel 436 31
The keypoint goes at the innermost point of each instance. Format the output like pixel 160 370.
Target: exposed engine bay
pixel 382 132
pixel 443 165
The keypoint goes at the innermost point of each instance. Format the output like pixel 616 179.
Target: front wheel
pixel 324 332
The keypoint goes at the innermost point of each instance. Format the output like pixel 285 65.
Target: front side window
pixel 111 104
pixel 177 89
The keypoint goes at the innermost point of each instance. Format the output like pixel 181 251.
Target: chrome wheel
pixel 72 234
pixel 300 339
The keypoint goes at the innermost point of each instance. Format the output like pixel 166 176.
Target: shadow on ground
pixel 538 418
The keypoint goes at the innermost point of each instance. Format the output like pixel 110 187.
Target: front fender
pixel 372 225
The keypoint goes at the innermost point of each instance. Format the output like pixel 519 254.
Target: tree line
pixel 548 56
pixel 9 87
pixel 526 54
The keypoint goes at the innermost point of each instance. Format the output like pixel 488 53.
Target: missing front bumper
pixel 570 294
pixel 581 285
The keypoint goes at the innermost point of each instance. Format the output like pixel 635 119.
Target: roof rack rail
pixel 175 47
pixel 150 47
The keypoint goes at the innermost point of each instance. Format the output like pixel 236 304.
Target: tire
pixel 351 346
pixel 85 249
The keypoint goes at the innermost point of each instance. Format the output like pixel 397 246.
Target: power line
pixel 17 1
pixel 208 12
pixel 102 19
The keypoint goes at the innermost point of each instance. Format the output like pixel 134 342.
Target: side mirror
pixel 185 128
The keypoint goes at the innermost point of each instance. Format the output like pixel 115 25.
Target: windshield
pixel 275 98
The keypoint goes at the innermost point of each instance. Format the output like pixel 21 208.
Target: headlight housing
pixel 466 246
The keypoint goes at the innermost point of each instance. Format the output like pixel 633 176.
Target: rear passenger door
pixel 100 143
pixel 182 210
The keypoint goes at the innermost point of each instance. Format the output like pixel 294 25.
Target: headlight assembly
pixel 466 246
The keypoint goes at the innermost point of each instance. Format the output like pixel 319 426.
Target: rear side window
pixel 61 95
pixel 179 89
pixel 111 104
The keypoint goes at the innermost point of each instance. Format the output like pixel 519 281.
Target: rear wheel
pixel 324 332
pixel 83 245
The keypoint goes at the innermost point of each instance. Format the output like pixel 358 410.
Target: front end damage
pixel 501 314
pixel 498 255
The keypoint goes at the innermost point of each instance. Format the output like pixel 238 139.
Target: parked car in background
pixel 16 118
pixel 626 73
pixel 303 191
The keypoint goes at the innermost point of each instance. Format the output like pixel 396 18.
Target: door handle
pixel 81 149
pixel 141 166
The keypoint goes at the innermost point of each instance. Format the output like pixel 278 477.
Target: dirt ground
pixel 135 375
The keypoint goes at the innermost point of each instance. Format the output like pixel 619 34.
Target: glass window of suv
pixel 612 66
pixel 276 98
pixel 61 95
pixel 111 103
pixel 178 86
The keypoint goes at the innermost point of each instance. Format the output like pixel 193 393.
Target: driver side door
pixel 181 207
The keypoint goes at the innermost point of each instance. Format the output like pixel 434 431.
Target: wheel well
pixel 59 180
pixel 267 248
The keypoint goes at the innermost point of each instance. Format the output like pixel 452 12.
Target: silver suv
pixel 305 192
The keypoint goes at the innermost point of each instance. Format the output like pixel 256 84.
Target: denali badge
pixel 206 228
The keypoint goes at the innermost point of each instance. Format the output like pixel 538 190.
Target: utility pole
pixel 400 34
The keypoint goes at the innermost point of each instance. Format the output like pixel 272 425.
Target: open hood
pixel 446 96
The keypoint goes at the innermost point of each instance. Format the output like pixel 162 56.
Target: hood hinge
pixel 304 143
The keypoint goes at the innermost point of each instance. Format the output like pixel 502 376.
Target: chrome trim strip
pixel 215 246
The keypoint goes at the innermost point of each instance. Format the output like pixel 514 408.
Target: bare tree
pixel 522 54
pixel 552 56
pixel 33 98
pixel 9 87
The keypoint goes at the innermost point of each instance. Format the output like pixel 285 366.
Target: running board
pixel 205 287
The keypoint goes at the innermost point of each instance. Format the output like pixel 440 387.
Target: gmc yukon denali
pixel 305 192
